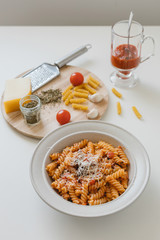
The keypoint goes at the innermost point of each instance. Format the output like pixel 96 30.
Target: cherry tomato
pixel 110 154
pixel 63 116
pixel 76 79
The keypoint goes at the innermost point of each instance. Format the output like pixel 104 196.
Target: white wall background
pixel 77 12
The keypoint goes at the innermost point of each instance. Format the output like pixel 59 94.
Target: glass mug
pixel 126 52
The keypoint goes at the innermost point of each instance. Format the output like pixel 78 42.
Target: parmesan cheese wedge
pixel 15 89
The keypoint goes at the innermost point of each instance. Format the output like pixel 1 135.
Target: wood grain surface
pixel 48 112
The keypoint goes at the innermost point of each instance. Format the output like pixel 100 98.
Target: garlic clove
pixel 93 113
pixel 95 98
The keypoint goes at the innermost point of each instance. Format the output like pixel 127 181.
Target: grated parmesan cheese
pixel 86 164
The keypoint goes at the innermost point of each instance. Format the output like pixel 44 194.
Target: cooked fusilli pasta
pixel 89 173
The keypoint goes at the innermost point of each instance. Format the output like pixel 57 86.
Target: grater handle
pixel 76 53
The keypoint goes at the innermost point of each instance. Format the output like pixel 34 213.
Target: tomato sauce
pixel 124 57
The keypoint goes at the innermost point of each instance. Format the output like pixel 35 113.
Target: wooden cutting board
pixel 48 112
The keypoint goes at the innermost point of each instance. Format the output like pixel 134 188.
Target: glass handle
pixel 143 59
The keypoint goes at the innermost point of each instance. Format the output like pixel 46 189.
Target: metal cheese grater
pixel 46 72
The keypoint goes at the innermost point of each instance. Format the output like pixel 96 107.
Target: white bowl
pixel 55 141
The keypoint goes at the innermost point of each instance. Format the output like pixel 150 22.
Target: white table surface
pixel 23 215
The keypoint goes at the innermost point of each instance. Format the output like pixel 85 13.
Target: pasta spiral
pixel 84 193
pixel 108 193
pixel 100 152
pixel 124 180
pixel 85 149
pixel 97 185
pixel 51 166
pixel 58 184
pixel 99 194
pixel 55 156
pixel 79 145
pixel 59 171
pixel 73 195
pixel 118 174
pixel 90 147
pixel 122 155
pixel 98 201
pixel 115 183
pixel 65 196
pixel 78 189
pixel 119 160
pixel 114 192
pixel 107 146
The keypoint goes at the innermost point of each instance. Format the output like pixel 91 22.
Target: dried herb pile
pixel 30 104
pixel 50 96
